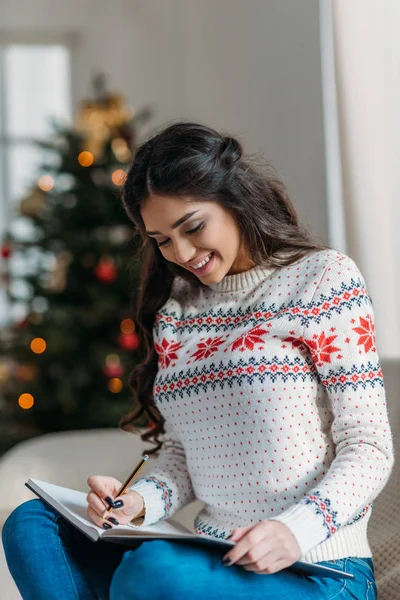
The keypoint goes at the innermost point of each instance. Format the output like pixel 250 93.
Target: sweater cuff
pixel 307 526
pixel 154 495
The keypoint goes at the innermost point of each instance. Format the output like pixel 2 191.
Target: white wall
pixel 248 66
pixel 253 67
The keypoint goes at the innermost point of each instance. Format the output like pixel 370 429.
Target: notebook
pixel 72 505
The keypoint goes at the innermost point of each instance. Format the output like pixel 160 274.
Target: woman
pixel 263 381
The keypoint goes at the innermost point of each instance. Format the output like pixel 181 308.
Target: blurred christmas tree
pixel 65 365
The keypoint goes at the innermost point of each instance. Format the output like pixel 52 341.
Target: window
pixel 35 87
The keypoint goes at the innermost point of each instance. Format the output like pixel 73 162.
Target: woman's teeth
pixel 203 262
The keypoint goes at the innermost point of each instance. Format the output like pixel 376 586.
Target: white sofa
pixel 69 458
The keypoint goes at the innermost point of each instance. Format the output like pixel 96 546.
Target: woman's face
pixel 199 236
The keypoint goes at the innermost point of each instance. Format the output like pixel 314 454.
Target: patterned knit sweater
pixel 272 392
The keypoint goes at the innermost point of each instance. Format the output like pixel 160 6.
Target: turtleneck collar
pixel 242 281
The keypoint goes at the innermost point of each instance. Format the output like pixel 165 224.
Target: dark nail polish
pixel 113 521
pixel 107 526
pixel 109 500
pixel 118 504
pixel 226 562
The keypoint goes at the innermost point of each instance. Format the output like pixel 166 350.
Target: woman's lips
pixel 207 267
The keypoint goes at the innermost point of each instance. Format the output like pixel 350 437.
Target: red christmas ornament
pixel 105 270
pixel 131 341
pixel 113 370
pixel 6 251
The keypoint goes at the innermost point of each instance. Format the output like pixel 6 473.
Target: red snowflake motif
pixel 321 348
pixel 207 348
pixel 167 352
pixel 366 331
pixel 249 339
pixel 296 342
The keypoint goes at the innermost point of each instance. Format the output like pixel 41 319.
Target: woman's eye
pixel 196 229
pixel 190 232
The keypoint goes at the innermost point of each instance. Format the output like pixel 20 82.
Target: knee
pixel 20 527
pixel 150 571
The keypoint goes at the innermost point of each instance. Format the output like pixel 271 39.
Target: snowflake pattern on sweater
pixel 274 402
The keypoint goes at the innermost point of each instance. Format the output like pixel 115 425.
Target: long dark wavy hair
pixel 189 159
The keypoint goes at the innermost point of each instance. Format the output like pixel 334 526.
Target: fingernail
pixel 109 500
pixel 118 504
pixel 226 562
pixel 107 526
pixel 113 521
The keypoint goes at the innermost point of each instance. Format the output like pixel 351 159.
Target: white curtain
pixel 360 42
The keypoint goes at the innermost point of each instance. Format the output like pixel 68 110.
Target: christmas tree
pixel 65 365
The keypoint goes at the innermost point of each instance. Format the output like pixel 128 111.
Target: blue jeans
pixel 49 559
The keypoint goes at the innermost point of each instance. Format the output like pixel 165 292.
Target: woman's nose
pixel 184 251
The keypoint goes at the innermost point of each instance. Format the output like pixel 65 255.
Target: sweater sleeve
pixel 339 334
pixel 168 487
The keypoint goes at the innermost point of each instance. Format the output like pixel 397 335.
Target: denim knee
pixel 20 526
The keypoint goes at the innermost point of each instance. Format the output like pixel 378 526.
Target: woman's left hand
pixel 265 547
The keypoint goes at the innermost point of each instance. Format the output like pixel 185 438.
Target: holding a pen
pixel 107 494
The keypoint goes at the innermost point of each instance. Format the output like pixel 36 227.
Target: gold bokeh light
pixel 46 183
pixel 118 177
pixel 127 326
pixel 115 385
pixel 26 401
pixel 38 345
pixel 85 158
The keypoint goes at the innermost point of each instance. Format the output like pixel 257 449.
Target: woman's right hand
pixel 125 508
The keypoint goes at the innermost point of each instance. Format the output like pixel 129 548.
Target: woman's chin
pixel 213 277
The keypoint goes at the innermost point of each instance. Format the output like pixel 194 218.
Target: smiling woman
pixel 262 375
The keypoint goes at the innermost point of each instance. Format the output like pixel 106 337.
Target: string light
pixel 115 385
pixel 46 183
pixel 118 177
pixel 130 341
pixel 112 360
pixel 85 158
pixel 26 401
pixel 127 326
pixel 38 345
pixel 113 367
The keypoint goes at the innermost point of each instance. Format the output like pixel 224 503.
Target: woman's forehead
pixel 173 207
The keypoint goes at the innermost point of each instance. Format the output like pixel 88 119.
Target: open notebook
pixel 72 505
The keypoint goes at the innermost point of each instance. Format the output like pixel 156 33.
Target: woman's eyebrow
pixel 178 222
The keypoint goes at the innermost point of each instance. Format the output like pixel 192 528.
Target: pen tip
pixel 146 457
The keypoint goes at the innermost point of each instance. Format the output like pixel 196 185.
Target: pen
pixel 131 477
